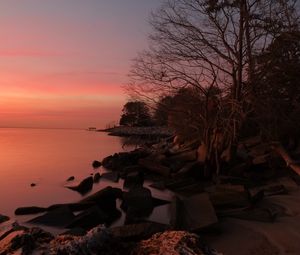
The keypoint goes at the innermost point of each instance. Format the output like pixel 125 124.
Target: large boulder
pixel 193 213
pixel 59 217
pixel 133 179
pixel 138 204
pixel 93 217
pixel 105 198
pixel 96 241
pixel 119 161
pixel 172 243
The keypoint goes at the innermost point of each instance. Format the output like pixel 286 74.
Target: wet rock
pixel 138 204
pixel 74 207
pixel 96 164
pixel 89 218
pixel 84 187
pixel 29 210
pixel 97 177
pixel 93 217
pixel 71 178
pixel 172 243
pixel 133 179
pixel 59 217
pixel 193 213
pixel 3 218
pixel 105 198
pixel 111 176
pixel 119 161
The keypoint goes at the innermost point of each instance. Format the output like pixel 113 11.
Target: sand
pixel 243 237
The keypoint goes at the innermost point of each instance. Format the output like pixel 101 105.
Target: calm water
pixel 48 157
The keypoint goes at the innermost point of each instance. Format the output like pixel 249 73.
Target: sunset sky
pixel 62 62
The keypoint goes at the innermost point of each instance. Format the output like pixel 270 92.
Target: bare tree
pixel 207 44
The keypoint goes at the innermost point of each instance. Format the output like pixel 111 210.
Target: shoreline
pixel 124 131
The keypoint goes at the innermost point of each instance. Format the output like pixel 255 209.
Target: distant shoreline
pixel 138 131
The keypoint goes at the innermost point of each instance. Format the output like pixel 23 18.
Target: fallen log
pixel 291 163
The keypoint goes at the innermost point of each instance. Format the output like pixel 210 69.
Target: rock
pixel 186 168
pixel 193 213
pixel 202 153
pixel 139 231
pixel 93 217
pixel 111 176
pixel 160 185
pixel 29 210
pixel 267 190
pixel 84 187
pixel 3 218
pixel 172 243
pixel 138 204
pixel 263 213
pixel 187 155
pixel 59 217
pixel 226 197
pixel 177 184
pixel 71 178
pixel 133 179
pixel 153 165
pixel 24 241
pixel 96 241
pixel 96 164
pixel 74 207
pixel 75 232
pixel 97 177
pixel 32 184
pixel 119 161
pixel 105 198
pixel 132 169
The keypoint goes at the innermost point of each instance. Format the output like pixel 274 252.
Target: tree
pixel 135 113
pixel 204 44
pixel 162 110
pixel 277 109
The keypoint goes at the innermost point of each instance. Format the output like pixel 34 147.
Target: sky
pixel 63 62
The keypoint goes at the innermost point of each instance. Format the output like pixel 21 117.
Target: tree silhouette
pixel 135 113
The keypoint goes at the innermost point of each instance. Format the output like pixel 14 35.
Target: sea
pixel 47 158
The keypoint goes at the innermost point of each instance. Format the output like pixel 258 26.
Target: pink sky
pixel 63 62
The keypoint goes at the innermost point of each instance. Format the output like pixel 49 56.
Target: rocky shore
pixel 257 203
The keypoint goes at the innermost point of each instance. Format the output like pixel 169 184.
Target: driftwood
pixel 291 163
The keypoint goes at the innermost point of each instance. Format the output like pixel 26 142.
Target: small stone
pixel 97 177
pixel 96 164
pixel 3 218
pixel 71 178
